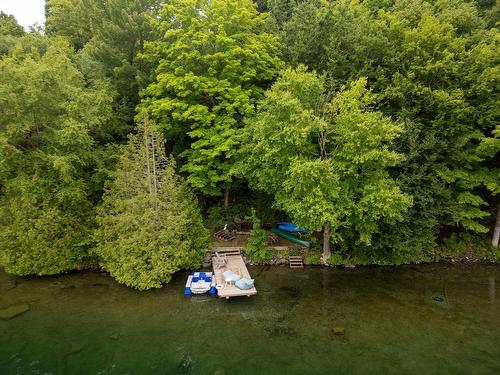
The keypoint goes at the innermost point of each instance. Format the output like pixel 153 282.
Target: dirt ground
pixel 241 240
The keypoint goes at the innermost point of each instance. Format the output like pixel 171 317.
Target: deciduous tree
pixel 325 158
pixel 214 59
pixel 47 113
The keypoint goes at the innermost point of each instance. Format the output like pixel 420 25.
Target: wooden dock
pixel 234 262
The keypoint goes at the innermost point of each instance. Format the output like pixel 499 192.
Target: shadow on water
pixel 263 268
pixel 431 319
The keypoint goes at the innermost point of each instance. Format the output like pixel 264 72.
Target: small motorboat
pixel 200 283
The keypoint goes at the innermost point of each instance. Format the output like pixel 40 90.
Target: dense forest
pixel 131 128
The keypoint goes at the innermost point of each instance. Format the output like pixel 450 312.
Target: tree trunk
pixel 326 243
pixel 146 145
pixel 226 197
pixel 496 231
pixel 153 155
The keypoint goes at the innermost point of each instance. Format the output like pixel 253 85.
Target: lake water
pixel 434 319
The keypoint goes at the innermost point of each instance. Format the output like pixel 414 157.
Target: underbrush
pixel 256 247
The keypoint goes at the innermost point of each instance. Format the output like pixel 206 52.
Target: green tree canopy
pixel 108 35
pixel 149 224
pixel 325 159
pixel 9 25
pixel 434 65
pixel 9 31
pixel 214 59
pixel 72 19
pixel 46 158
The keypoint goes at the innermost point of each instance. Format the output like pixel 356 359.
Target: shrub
pixel 336 259
pixel 313 257
pixel 256 247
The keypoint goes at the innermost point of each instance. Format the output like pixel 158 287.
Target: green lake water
pixel 433 319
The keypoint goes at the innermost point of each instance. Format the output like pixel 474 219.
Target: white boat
pixel 200 283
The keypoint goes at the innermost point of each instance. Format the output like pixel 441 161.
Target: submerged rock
pixel 74 348
pixel 13 311
pixel 185 365
pixel 10 284
pixel 281 331
pixel 290 291
pixel 57 284
pixel 439 300
pixel 339 330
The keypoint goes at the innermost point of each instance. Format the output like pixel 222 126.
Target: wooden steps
pixel 296 261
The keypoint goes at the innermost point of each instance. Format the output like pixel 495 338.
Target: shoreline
pixel 280 259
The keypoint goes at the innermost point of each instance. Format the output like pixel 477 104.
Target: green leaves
pixel 213 61
pixel 324 158
pixel 256 247
pixel 46 158
pixel 282 130
pixel 432 66
pixel 108 36
pixel 332 153
pixel 149 224
pixel 9 25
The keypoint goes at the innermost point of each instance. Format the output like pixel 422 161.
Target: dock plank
pixel 236 264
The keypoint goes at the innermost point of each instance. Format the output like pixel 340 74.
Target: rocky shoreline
pixel 313 258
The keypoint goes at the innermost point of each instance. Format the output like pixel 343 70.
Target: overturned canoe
pixel 291 227
pixel 291 237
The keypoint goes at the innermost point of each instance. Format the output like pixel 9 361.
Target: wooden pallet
pixel 296 261
pixel 226 251
pixel 224 235
pixel 272 239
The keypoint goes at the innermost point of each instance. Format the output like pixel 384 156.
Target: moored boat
pixel 200 283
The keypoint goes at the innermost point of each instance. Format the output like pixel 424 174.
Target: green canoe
pixel 291 237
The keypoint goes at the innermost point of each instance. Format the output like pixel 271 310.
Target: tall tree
pixel 325 159
pixel 444 93
pixel 281 10
pixel 46 157
pixel 108 35
pixel 434 66
pixel 214 59
pixel 9 25
pixel 9 31
pixel 149 224
pixel 72 19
